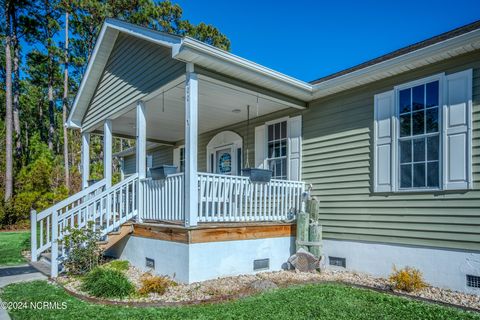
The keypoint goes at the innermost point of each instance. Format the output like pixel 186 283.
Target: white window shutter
pixel 176 158
pixel 260 142
pixel 149 161
pixel 384 111
pixel 294 148
pixel 457 131
pixel 149 164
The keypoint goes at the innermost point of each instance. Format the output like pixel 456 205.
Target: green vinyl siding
pixel 160 155
pixel 129 165
pixel 134 69
pixel 338 162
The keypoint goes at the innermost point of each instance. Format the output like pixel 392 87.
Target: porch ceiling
pixel 165 112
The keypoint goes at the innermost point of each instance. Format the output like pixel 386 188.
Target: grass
pixel 119 265
pixel 321 301
pixel 11 246
pixel 107 283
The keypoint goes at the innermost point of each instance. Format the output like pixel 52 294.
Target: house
pixel 390 148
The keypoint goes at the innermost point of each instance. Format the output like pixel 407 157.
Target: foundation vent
pixel 150 263
pixel 473 281
pixel 261 264
pixel 338 262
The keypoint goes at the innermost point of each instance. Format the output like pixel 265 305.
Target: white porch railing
pixel 221 198
pixel 225 198
pixel 106 208
pixel 163 199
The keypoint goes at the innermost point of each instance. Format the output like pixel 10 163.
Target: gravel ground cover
pixel 243 285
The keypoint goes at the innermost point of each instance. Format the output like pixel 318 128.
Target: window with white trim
pixel 277 149
pixel 423 135
pixel 419 136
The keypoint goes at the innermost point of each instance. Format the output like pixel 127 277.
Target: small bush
pixel 84 251
pixel 107 283
pixel 155 284
pixel 407 279
pixel 119 265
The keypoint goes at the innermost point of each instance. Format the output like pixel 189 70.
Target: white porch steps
pixel 107 208
pixel 44 263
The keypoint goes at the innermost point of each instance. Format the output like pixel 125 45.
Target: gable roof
pixel 189 50
pixel 184 49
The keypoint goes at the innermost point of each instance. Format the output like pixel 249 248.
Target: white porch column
pixel 141 154
pixel 85 159
pixel 107 152
pixel 191 135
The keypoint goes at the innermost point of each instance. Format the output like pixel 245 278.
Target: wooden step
pixel 116 236
pixel 46 257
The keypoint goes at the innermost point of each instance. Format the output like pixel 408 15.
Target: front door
pixel 224 160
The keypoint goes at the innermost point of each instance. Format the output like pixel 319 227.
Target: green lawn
pixel 11 246
pixel 321 301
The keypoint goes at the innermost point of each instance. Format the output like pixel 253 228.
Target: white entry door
pixel 224 160
pixel 224 153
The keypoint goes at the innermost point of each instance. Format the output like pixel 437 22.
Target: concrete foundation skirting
pixel 203 261
pixel 443 268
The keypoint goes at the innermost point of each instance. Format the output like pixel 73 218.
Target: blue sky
pixel 310 39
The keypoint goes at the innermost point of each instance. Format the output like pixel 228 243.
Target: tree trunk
pixel 64 107
pixel 51 114
pixel 50 72
pixel 8 107
pixel 16 86
pixel 41 118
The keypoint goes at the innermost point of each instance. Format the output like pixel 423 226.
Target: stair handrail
pixel 99 195
pixel 77 196
pixel 55 216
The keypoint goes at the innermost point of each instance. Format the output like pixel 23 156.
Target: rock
pixel 263 285
pixel 304 261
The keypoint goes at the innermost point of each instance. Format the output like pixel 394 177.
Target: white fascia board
pixel 74 121
pixel 471 39
pixel 164 39
pixel 216 55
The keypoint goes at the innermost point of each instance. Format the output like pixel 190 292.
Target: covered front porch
pixel 209 113
pixel 209 130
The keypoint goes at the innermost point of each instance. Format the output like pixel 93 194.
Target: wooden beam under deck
pixel 214 232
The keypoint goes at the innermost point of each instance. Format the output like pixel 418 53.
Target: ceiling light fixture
pixel 236 110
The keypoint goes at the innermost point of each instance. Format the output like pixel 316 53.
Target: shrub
pixel 119 265
pixel 84 251
pixel 107 283
pixel 407 279
pixel 155 284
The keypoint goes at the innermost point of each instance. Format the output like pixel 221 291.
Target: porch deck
pixel 213 231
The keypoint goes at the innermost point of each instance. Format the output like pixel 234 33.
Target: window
pixel 423 135
pixel 419 136
pixel 182 159
pixel 277 149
